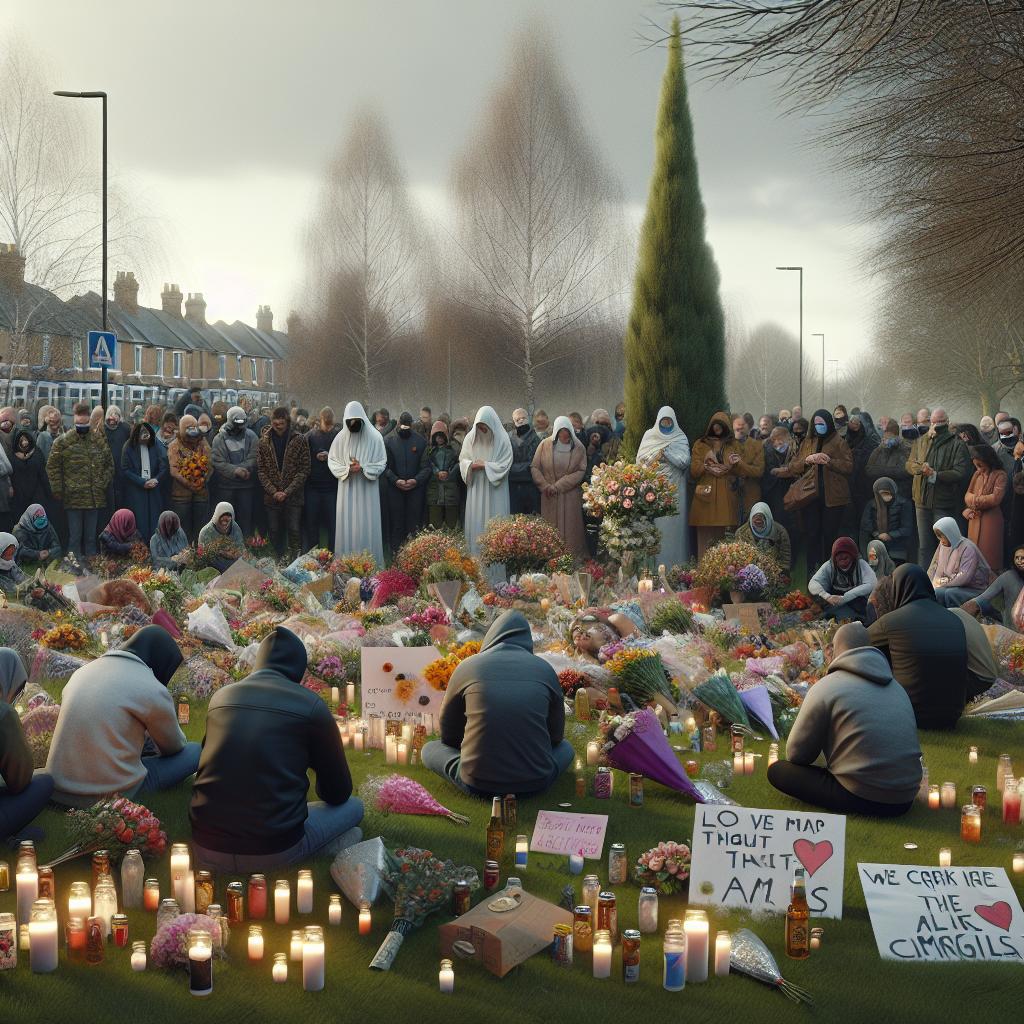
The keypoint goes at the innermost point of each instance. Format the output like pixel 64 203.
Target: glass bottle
pixel 204 891
pixel 5 876
pixel 27 853
pixel 257 897
pixel 798 915
pixel 1003 768
pixel 591 891
pixel 151 895
pixel 44 883
pixel 167 911
pixel 94 941
pixel 76 936
pixel 581 705
pixel 100 865
pixel 970 823
pixel 582 928
pixel 495 832
pixel 119 929
pixel 1011 801
pixel 138 956
pixel 674 952
pixel 235 901
pixel 220 934
pixel 313 958
pixel 133 873
pixel 630 956
pixel 200 962
pixel 618 869
pixel 709 743
pixel 184 709
pixel 647 910
pixel 104 902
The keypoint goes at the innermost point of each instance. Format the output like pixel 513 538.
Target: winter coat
pixel 290 477
pixel 405 461
pixel 900 529
pixel 180 491
pixel 890 462
pixel 225 461
pixel 750 471
pixel 715 498
pixel 522 491
pixel 32 541
pixel 775 544
pixel 984 497
pixel 564 510
pixel 833 479
pixel 442 459
pixel 117 439
pixel 80 469
pixel 960 563
pixel 29 480
pixel 146 502
pixel 320 478
pixel 860 487
pixel 949 457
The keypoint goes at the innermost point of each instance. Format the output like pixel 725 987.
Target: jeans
pixel 194 513
pixel 285 523
pixel 319 513
pixel 19 809
pixel 325 823
pixel 167 770
pixel 953 597
pixel 445 761
pixel 82 531
pixel 820 788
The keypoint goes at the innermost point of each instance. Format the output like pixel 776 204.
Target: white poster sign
pixel 392 683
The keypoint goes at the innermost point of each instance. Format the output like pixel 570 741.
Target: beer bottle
pixel 495 833
pixel 798 915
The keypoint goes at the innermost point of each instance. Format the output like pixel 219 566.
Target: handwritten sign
pixel 393 685
pixel 745 857
pixel 557 832
pixel 937 914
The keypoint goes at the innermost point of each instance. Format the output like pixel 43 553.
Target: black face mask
pixel 523 430
pixel 439 440
pixel 1008 440
pixel 354 426
pixel 839 422
pixel 909 432
pixel 404 430
pixel 82 428
pixel 922 429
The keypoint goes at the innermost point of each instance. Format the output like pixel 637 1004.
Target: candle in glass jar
pixel 257 897
pixel 313 958
pixel 295 946
pixel 522 851
pixel 151 895
pixel 1018 863
pixel 970 824
pixel 180 862
pixel 255 942
pixel 279 972
pixel 737 763
pixel 335 695
pixel 593 753
pixel 403 752
pixel 773 756
pixel 79 900
pixel 647 910
pixel 26 882
pixel 602 953
pixel 390 750
pixel 446 977
pixel 76 937
pixel 723 951
pixel 945 857
pixel 304 892
pixel 972 755
pixel 350 694
pixel 748 763
pixel 188 893
pixel 334 910
pixel 949 794
pixel 42 931
pixel 934 798
pixel 138 956
pixel 645 586
pixel 575 863
pixel 407 732
pixel 119 929
pixel 200 962
pixel 817 934
pixel 282 901
pixel 364 918
pixel 1011 801
pixel 357 740
pixel 697 932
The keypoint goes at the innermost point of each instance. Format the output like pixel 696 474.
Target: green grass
pixel 847 978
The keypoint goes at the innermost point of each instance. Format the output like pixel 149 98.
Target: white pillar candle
pixel 972 755
pixel 255 942
pixel 80 901
pixel 42 931
pixel 1018 863
pixel 295 946
pixel 390 750
pixel 816 934
pixel 934 798
pixel 593 753
pixel 313 959
pixel 723 950
pixel 575 863
pixel 357 740
pixel 403 752
pixel 748 763
pixel 446 977
pixel 282 901
pixel 945 857
pixel 364 918
pixel 180 862
pixel 334 910
pixel 188 893
pixel 773 753
pixel 697 931
pixel 350 694
pixel 948 794
pixel 304 892
pixel 27 883
pixel 280 969
pixel 602 954
pixel 199 951
pixel 407 732
pixel 335 695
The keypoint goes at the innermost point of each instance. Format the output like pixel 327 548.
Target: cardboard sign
pixel 749 615
pixel 562 833
pixel 392 683
pixel 937 914
pixel 745 857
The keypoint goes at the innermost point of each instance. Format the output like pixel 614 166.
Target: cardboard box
pixel 748 615
pixel 504 941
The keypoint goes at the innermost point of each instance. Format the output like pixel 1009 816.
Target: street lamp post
pixel 99 96
pixel 801 375
pixel 822 336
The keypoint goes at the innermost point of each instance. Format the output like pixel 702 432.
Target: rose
pixel 656 863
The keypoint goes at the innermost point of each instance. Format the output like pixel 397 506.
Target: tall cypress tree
pixel 675 341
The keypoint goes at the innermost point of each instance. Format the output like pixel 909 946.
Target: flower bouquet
pixel 391 585
pixel 257 546
pixel 395 794
pixel 439 672
pixel 115 824
pixel 640 673
pixel 38 725
pixel 721 567
pixel 428 547
pixel 795 601
pixel 360 564
pixel 666 868
pixel 194 466
pixel 718 694
pixel 751 581
pixel 169 947
pixel 521 543
pixel 277 596
pixel 419 884
pixel 65 637
pixel 635 743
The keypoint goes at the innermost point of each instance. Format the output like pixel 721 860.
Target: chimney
pixel 292 323
pixel 195 308
pixel 170 300
pixel 264 319
pixel 126 291
pixel 12 267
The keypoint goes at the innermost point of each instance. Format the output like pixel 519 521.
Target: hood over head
pixel 7 541
pixel 761 508
pixel 283 652
pixel 719 417
pixel 168 524
pixel 122 524
pixel 883 563
pixel 910 583
pixel 845 545
pixel 13 676
pixel 439 427
pixel 157 648
pixel 564 423
pixel 830 424
pixel 510 627
pixel 21 432
pixel 224 508
pixel 654 442
pixel 948 528
pixel 28 517
pixel 853 653
pixel 885 483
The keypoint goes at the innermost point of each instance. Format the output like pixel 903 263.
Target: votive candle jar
pixel 138 956
pixel 364 918
pixel 647 910
pixel 304 892
pixel 151 895
pixel 697 931
pixel 295 946
pixel 42 931
pixel 949 794
pixel 313 954
pixel 970 824
pixel 255 942
pixel 76 937
pixel 723 952
pixel 282 901
pixel 334 910
pixel 593 753
pixel 934 798
pixel 200 962
pixel 257 897
pixel 972 755
pixel 279 971
pixel 602 954
pixel 79 900
pixel 945 857
pixel 1018 863
pixel 446 977
pixel 1011 801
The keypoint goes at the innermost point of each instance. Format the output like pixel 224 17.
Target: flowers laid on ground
pixel 115 824
pixel 666 868
pixel 795 601
pixel 426 548
pixel 276 595
pixel 670 616
pixel 38 725
pixel 65 636
pixel 572 680
pixel 1014 655
pixel 392 584
pixel 250 632
pixel 194 467
pixel 163 580
pixel 216 552
pixel 521 543
pixel 395 794
pixel 640 673
pixel 751 580
pixel 169 947
pixel 722 566
pixel 439 672
pixel 257 546
pixel 361 564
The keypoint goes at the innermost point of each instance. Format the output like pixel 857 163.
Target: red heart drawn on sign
pixel 1000 914
pixel 812 855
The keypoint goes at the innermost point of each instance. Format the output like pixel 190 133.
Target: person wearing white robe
pixel 665 445
pixel 357 458
pixel 485 461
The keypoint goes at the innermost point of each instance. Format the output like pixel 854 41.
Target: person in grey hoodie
pixel 23 794
pixel 233 456
pixel 502 718
pixel 862 722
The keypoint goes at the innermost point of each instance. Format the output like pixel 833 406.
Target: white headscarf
pixel 6 540
pixel 564 423
pixel 224 508
pixel 495 452
pixel 366 446
pixel 654 442
pixel 947 527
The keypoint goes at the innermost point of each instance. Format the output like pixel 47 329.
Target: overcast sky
pixel 223 114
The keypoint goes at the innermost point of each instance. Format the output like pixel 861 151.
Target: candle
pixel 403 752
pixel 42 931
pixel 304 892
pixel 188 893
pixel 357 740
pixel 279 972
pixel 255 942
pixel 257 897
pixel 933 798
pixel 407 732
pixel 151 895
pixel 602 954
pixel 75 934
pixel 1018 863
pixel 545 605
pixel 748 763
pixel 522 851
pixel 691 725
pixel 773 753
pixel 335 695
pixel 446 977
pixel 200 962
pixel 972 755
pixel 697 932
pixel 1011 801
pixel 737 763
pixel 593 753
pixel 104 902
pixel 350 694
pixel 334 910
pixel 817 934
pixel 79 900
pixel 138 956
pixel 674 951
pixel 313 959
pixel 180 862
pixel 723 950
pixel 364 918
pixel 945 857
pixel 282 901
pixel 647 910
pixel 949 794
pixel 575 863
pixel 26 882
pixel 390 750
pixel 295 946
pixel 970 824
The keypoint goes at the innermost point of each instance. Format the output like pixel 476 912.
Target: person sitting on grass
pixel 862 722
pixel 843 584
pixel 11 576
pixel 168 547
pixel 23 794
pixel 120 535
pixel 37 537
pixel 263 735
pixel 763 532
pixel 502 718
pixel 220 541
pixel 958 569
pixel 108 709
pixel 1006 590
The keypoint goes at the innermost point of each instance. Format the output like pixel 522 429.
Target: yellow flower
pixel 405 689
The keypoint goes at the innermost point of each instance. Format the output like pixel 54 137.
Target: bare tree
pixel 537 217
pixel 762 369
pixel 365 246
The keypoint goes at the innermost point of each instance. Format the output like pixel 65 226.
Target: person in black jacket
pixel 263 734
pixel 523 496
pixel 321 503
pixel 28 475
pixel 405 479
pixel 927 647
pixel 888 517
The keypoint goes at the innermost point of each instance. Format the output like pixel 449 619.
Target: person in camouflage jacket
pixel 282 465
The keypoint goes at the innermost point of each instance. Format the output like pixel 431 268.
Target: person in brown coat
pixel 558 468
pixel 282 465
pixel 828 455
pixel 190 498
pixel 984 499
pixel 715 468
pixel 750 469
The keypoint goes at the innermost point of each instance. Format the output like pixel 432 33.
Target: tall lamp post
pixel 801 376
pixel 822 336
pixel 99 96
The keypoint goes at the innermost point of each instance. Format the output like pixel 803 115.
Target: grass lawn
pixel 847 978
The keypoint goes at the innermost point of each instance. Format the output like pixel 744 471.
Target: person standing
pixel 405 480
pixel 442 460
pixel 558 470
pixel 233 455
pixel 51 426
pixel 984 501
pixel 779 449
pixel 28 475
pixel 422 425
pixel 321 485
pixel 117 433
pixel 542 424
pixel 523 496
pixel 143 468
pixel 750 468
pixel 485 462
pixel 189 495
pixel 714 468
pixel 357 458
pixel 282 464
pixel 667 448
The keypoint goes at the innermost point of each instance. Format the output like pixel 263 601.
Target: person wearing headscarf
pixel 405 480
pixel 8 421
pixel 24 793
pixel 502 718
pixel 826 456
pixel 888 517
pixel 558 469
pixel 143 468
pixel 484 462
pixel 220 541
pixel 926 645
pixel 108 708
pixel 843 583
pixel 37 539
pixel 168 547
pixel 11 576
pixel 189 498
pixel 357 458
pixel 522 490
pixel 763 532
pixel 878 558
pixel 6 483
pixel 117 433
pixel 28 474
pixel 1007 590
pixel 121 534
pixel 665 446
pixel 51 426
pixel 441 459
pixel 958 570
pixel 321 504
pixel 984 503
pixel 861 722
pixel 233 457
pixel 264 733
pixel 987 430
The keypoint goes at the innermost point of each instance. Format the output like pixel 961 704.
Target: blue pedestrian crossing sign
pixel 102 350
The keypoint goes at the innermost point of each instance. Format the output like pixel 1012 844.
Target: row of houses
pixel 44 359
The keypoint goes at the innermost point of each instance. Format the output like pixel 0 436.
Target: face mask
pixel 1008 440
pixel 910 433
pixel 82 428
pixel 782 448
pixel 204 430
pixel 785 423
pixel 192 432
pixel 820 429
pixel 922 429
pixel 40 522
pixel 438 441
pixel 840 422
pixel 404 430
pixel 941 428
pixel 886 498
pixel 523 429
pixel 664 429
pixel 891 442
pixel 354 426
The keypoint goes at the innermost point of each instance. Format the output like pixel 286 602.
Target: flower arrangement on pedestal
pixel 735 566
